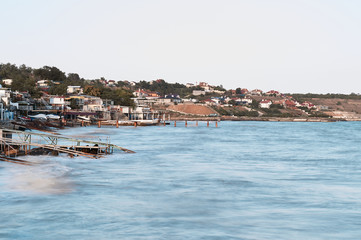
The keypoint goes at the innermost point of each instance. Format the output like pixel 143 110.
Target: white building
pixel 257 92
pixel 198 92
pixel 246 100
pixel 265 104
pixel 8 82
pixel 140 93
pixel 57 102
pixel 42 83
pixel 111 83
pixel 74 89
pixel 92 104
pixel 5 95
pixel 219 91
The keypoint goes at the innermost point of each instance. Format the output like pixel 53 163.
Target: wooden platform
pixel 15 143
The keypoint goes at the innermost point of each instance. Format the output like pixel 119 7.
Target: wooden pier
pixel 14 143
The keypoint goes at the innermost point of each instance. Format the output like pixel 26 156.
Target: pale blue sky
pixel 286 45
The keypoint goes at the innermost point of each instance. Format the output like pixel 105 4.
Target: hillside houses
pixel 147 96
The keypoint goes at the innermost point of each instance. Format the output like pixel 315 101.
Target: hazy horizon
pixel 299 46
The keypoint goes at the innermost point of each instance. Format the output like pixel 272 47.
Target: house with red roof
pixel 203 84
pixel 308 105
pixel 273 93
pixel 290 104
pixel 111 83
pixel 232 91
pixel 244 91
pixel 265 103
pixel 209 102
pixel 140 93
pixel 257 92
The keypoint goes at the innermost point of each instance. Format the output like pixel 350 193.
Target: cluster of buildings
pixel 70 106
pixel 75 103
pixel 264 100
pixel 241 97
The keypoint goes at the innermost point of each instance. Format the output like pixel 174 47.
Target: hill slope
pixel 192 109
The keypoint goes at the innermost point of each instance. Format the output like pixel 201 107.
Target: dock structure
pixel 14 143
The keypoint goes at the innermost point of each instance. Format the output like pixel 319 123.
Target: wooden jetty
pixel 14 143
pixel 14 160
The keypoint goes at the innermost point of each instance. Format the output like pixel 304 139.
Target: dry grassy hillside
pixel 347 105
pixel 192 109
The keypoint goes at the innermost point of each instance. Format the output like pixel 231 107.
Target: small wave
pixel 46 178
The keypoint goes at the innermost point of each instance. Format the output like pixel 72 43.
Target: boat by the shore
pixel 146 122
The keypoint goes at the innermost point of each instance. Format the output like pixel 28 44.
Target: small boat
pixel 147 122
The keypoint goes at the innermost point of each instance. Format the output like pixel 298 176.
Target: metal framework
pixel 26 140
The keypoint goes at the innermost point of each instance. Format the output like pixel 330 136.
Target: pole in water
pixel 135 124
pixel 216 124
pixel 99 124
pixel 117 123
pixel 197 123
pixel 186 123
pixel 82 123
pixel 175 123
pixel 207 123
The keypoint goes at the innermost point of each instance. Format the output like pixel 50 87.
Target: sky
pixel 293 46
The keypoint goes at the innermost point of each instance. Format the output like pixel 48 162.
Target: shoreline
pixel 262 119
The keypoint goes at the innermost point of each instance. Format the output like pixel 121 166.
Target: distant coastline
pixel 260 119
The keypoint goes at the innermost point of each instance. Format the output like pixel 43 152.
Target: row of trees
pixel 162 87
pixel 300 96
pixel 23 78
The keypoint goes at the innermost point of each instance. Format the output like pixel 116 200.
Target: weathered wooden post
pixel 117 124
pixel 175 123
pixel 216 124
pixel 186 123
pixel 197 123
pixel 207 123
pixel 99 124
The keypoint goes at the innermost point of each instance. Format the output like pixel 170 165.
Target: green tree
pixel 50 73
pixel 255 104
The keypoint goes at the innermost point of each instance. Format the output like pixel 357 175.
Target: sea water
pixel 242 180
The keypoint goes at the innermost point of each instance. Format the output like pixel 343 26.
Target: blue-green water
pixel 242 180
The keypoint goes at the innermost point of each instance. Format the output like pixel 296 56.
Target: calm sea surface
pixel 242 180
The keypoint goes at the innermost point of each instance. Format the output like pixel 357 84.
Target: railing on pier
pixel 13 142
